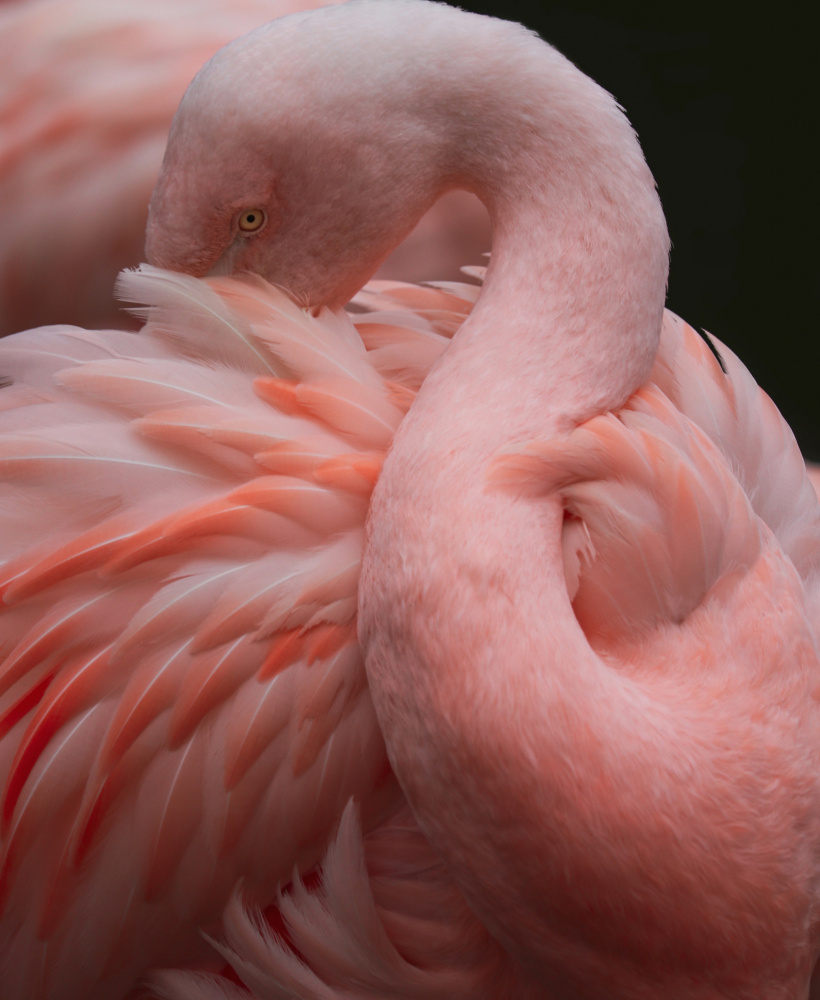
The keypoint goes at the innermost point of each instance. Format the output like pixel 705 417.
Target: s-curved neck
pixel 472 648
pixel 574 804
pixel 568 799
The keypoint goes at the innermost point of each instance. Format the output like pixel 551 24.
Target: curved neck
pixel 509 736
pixel 573 299
pixel 468 632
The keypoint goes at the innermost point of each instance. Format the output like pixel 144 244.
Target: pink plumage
pixel 580 556
pixel 184 702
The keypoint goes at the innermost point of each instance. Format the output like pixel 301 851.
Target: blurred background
pixel 718 97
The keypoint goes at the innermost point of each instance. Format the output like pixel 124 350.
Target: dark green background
pixel 722 100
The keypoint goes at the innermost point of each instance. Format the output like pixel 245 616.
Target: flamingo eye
pixel 252 220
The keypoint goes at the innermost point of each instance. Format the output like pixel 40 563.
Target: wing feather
pixel 182 699
pixel 667 517
pixel 747 427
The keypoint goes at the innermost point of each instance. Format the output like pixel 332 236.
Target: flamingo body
pixel 56 583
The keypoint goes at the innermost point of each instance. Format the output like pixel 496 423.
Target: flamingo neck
pixel 470 640
pixel 525 758
pixel 573 299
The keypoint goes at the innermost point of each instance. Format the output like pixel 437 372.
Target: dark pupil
pixel 250 218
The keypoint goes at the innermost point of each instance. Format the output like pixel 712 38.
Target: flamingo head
pixel 273 167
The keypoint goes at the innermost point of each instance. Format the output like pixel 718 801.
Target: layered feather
pixel 668 496
pixel 384 920
pixel 183 700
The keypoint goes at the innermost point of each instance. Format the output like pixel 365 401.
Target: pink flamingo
pixel 621 781
pixel 87 92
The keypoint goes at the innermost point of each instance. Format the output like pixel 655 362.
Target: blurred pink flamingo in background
pixel 589 601
pixel 87 92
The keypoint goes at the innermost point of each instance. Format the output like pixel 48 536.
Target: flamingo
pixel 87 92
pixel 588 604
